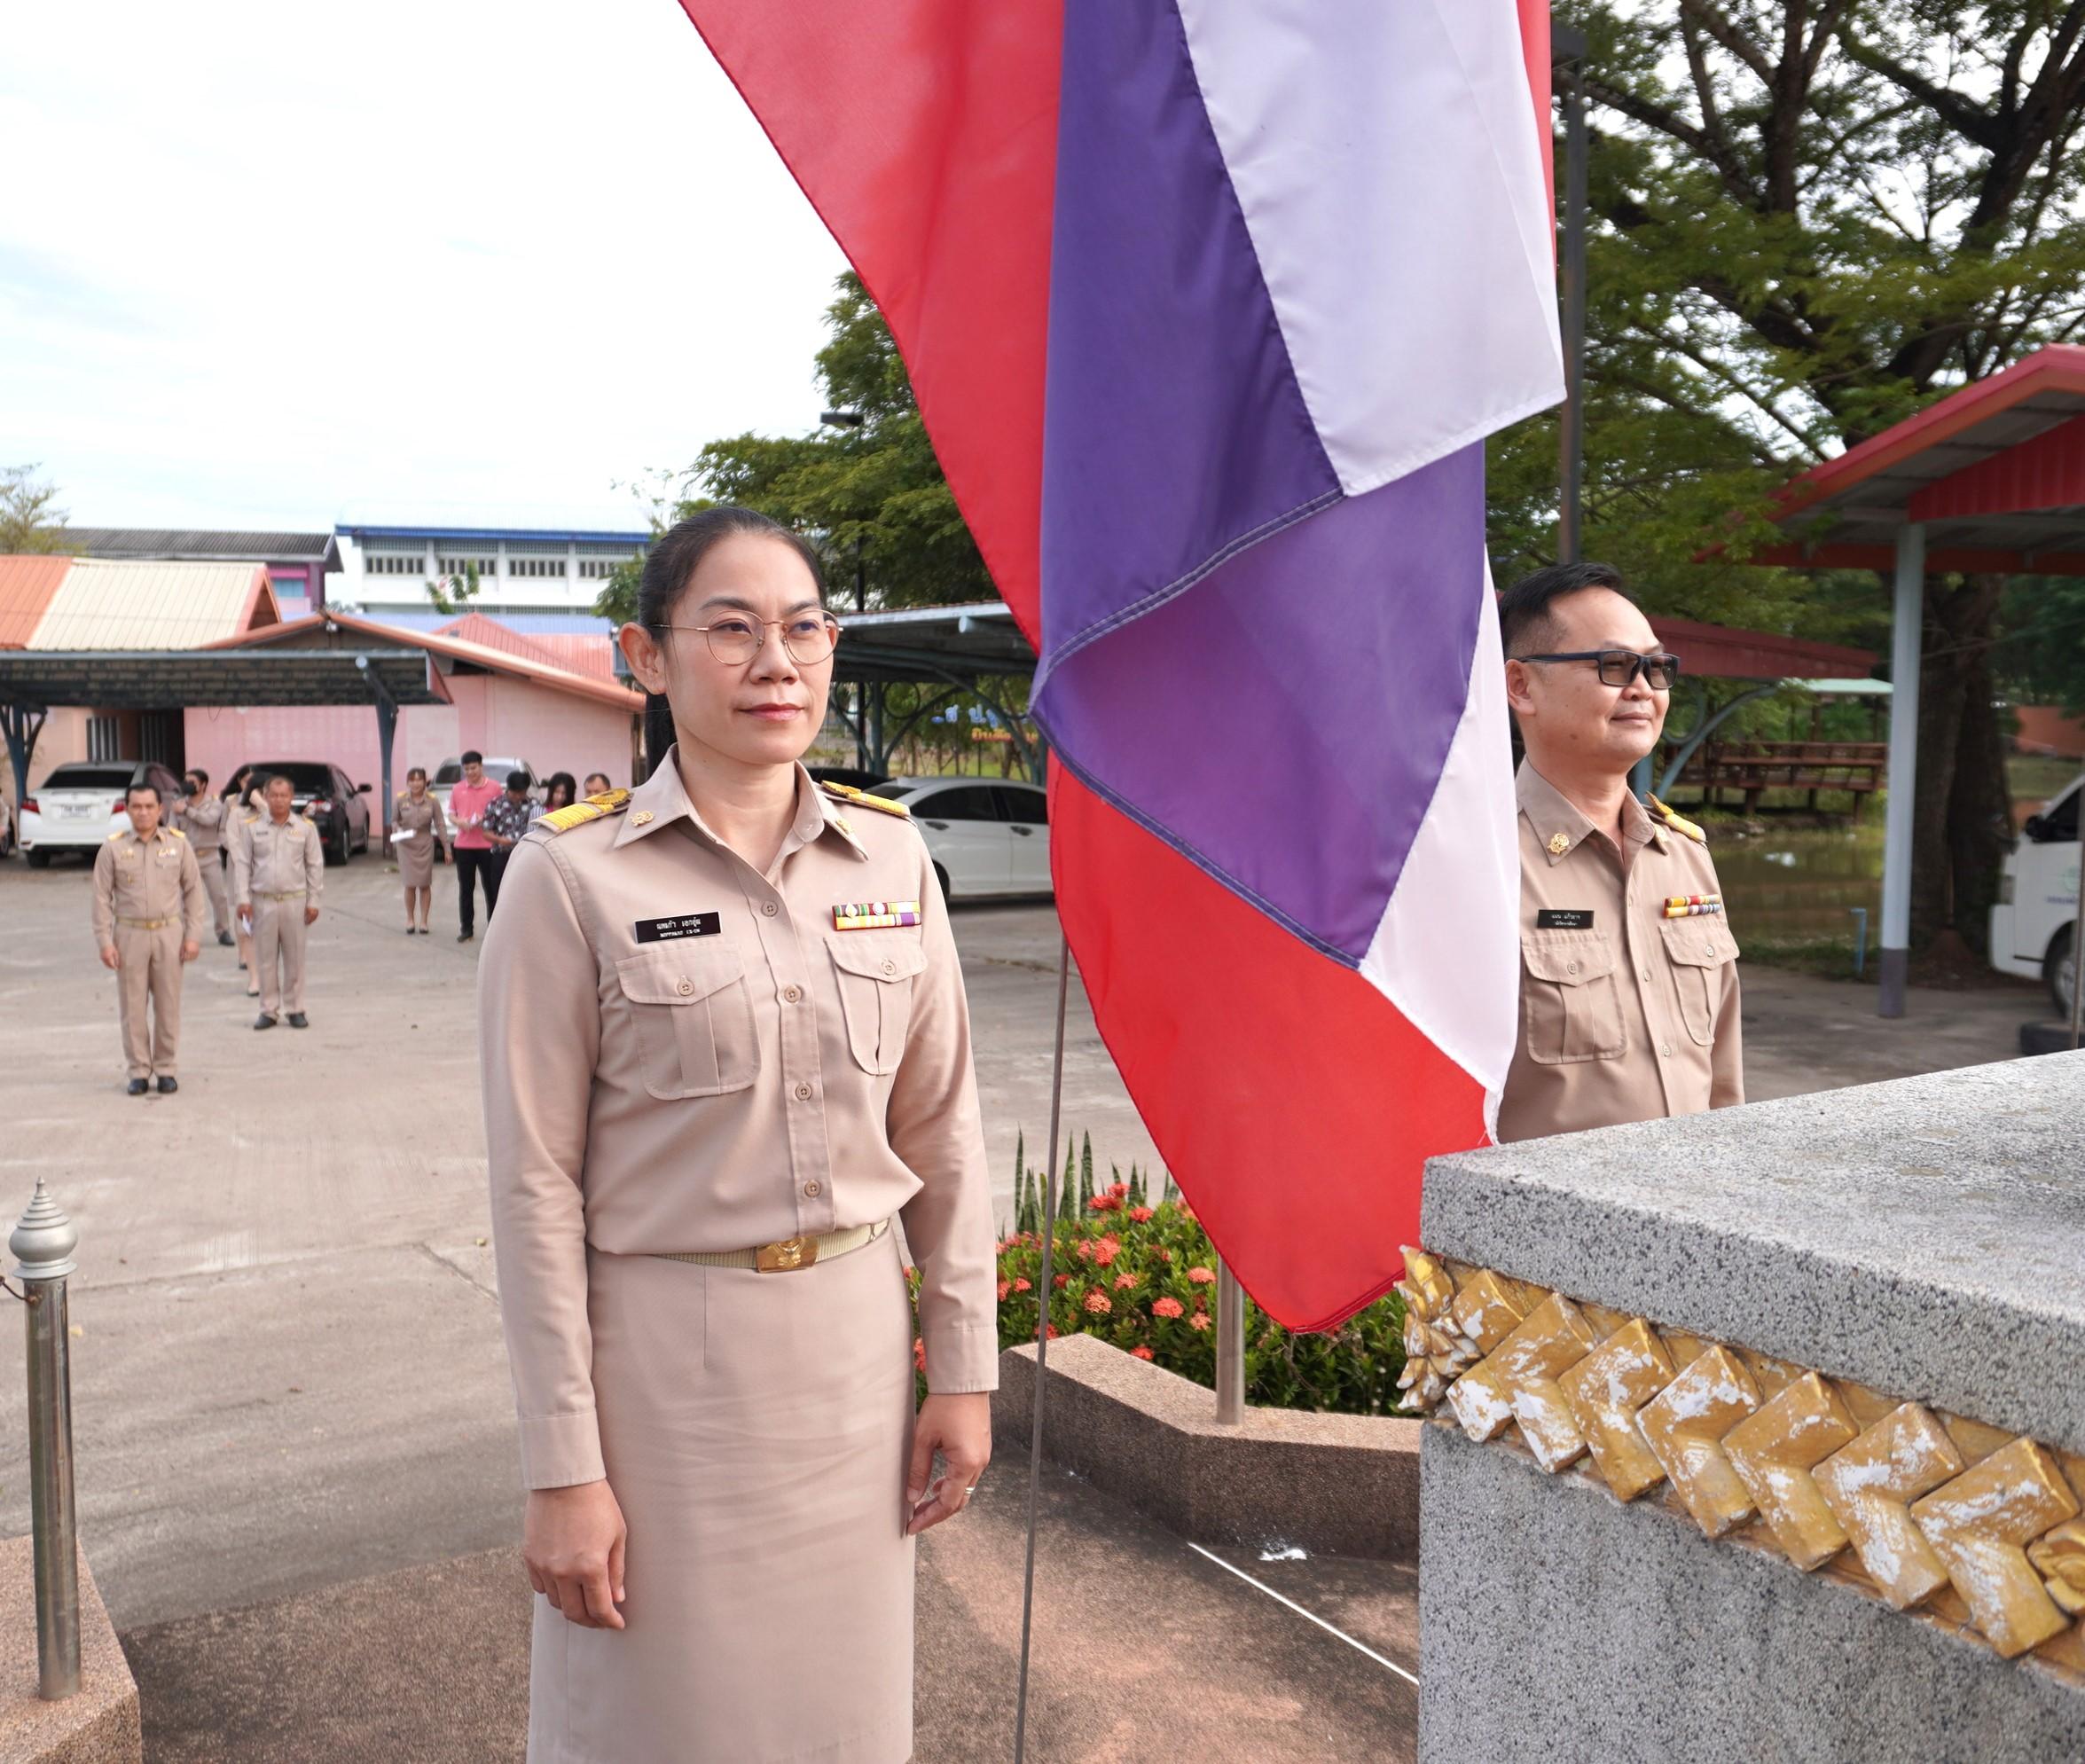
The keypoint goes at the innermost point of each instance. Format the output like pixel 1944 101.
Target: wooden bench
pixel 1858 768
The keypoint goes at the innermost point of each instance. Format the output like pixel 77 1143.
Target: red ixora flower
pixel 1006 1286
pixel 1120 1190
pixel 1052 1335
pixel 1020 1286
pixel 1139 1214
pixel 1086 1249
pixel 1108 1203
pixel 1200 1319
pixel 1167 1306
pixel 1060 1282
pixel 1126 1282
pixel 1202 1276
pixel 1142 1353
pixel 1106 1250
pixel 1099 1303
pixel 920 1352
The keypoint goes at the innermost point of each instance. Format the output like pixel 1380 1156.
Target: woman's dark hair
pixel 201 777
pixel 238 784
pixel 413 772
pixel 555 782
pixel 670 564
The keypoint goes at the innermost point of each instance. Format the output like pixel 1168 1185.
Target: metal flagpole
pixel 1043 1290
pixel 2078 927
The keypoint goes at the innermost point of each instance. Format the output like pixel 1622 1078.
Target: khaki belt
pixel 145 924
pixel 290 894
pixel 790 1254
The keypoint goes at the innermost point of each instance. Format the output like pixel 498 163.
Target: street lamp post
pixel 41 1243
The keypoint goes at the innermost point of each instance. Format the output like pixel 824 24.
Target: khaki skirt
pixel 416 860
pixel 756 1429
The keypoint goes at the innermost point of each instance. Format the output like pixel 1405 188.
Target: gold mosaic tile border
pixel 1971 1524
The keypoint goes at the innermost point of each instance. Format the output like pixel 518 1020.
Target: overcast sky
pixel 425 260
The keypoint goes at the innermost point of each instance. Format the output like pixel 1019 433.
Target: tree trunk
pixel 1962 818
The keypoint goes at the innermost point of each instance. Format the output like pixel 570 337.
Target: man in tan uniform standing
pixel 202 817
pixel 1628 985
pixel 148 919
pixel 278 871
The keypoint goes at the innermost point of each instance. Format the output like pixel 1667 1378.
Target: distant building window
pixel 535 566
pixel 104 740
pixel 600 568
pixel 382 563
pixel 463 565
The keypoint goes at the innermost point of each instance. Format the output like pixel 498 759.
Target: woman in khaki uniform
pixel 417 823
pixel 725 1045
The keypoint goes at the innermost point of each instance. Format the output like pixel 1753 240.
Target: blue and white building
pixel 528 577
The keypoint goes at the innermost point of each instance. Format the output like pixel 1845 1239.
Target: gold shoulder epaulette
pixel 577 814
pixel 1677 822
pixel 847 793
pixel 176 832
pixel 252 818
pixel 118 834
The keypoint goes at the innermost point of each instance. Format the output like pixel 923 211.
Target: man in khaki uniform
pixel 1629 995
pixel 278 871
pixel 202 819
pixel 148 919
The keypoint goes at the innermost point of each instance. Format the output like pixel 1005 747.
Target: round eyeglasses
pixel 737 637
pixel 1619 667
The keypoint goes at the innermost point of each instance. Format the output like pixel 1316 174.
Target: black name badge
pixel 687 925
pixel 1562 919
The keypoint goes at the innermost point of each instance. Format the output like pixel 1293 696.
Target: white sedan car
pixel 76 809
pixel 987 837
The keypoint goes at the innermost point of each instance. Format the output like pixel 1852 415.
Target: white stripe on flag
pixel 1386 157
pixel 1447 951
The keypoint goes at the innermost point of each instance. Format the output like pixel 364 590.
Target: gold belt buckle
pixel 785 1256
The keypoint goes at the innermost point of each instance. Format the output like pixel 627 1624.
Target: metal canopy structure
pixel 1991 480
pixel 160 679
pixel 955 645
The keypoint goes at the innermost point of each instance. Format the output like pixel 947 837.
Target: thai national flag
pixel 1209 305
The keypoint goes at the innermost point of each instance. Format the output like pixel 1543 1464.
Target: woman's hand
pixel 959 1428
pixel 572 1541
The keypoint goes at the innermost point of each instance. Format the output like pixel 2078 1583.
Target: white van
pixel 2034 925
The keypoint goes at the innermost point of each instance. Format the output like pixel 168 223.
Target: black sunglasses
pixel 1619 667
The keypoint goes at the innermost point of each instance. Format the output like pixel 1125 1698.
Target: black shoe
pixel 225 938
pixel 466 937
pixel 242 968
pixel 138 1086
pixel 169 1084
pixel 409 930
pixel 264 1021
pixel 298 1020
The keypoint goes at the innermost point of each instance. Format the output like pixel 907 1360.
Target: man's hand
pixel 572 1543
pixel 310 915
pixel 109 958
pixel 190 951
pixel 959 1427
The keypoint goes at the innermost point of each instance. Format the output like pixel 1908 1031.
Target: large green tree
pixel 869 493
pixel 29 519
pixel 1811 218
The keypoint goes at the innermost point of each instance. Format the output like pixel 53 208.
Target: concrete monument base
pixel 100 1725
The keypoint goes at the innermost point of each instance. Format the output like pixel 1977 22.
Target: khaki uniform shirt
pixel 1625 1014
pixel 276 858
pixel 148 879
pixel 684 1054
pixel 203 821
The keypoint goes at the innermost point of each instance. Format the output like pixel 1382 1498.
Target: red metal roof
pixel 1721 652
pixel 28 582
pixel 1996 471
pixel 548 674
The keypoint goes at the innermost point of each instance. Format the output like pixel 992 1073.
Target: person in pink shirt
pixel 474 852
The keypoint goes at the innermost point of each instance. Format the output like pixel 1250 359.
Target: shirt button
pixel 769 908
pixel 791 994
pixel 889 968
pixel 1574 967
pixel 812 1189
pixel 684 986
pixel 1665 1049
pixel 1647 973
pixel 804 1092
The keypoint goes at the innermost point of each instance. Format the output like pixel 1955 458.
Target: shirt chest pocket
pixel 693 1018
pixel 1571 1006
pixel 875 975
pixel 1700 951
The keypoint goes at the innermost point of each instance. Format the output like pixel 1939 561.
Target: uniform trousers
pixel 756 1429
pixel 148 996
pixel 278 934
pixel 210 865
pixel 475 864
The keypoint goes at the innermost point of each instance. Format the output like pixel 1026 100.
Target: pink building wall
pixel 495 714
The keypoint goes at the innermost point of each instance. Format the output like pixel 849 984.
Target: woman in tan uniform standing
pixel 725 1047
pixel 417 823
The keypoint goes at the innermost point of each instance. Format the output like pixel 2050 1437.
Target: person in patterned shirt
pixel 506 820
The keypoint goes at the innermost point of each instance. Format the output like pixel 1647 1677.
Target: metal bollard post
pixel 42 1242
pixel 1860 940
pixel 1230 1346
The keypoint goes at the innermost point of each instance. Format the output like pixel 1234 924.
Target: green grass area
pixel 1827 958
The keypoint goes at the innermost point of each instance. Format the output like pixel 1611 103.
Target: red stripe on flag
pixel 925 134
pixel 1292 1101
